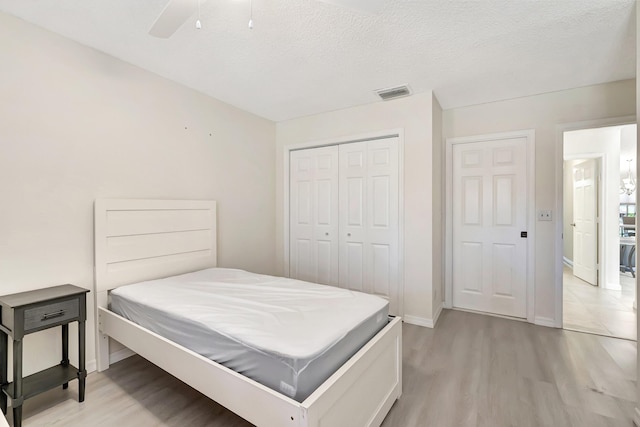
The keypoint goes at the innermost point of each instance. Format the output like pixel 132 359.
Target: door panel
pixel 369 186
pixel 304 265
pixel 381 270
pixel 313 217
pixel 472 201
pixel 585 206
pixel 344 217
pixel 489 212
pixel 470 275
pixel 354 267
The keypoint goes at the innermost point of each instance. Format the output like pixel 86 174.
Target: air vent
pixel 393 92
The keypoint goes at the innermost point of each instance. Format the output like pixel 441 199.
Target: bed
pixel 145 240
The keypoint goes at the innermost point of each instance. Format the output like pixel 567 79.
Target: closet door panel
pixel 344 216
pixel 302 264
pixel 382 207
pixel 326 209
pixel 353 188
pixel 353 266
pixel 314 215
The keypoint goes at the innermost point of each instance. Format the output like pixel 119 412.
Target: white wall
pixel 605 141
pixel 438 209
pixel 78 125
pixel 544 113
pixel 414 115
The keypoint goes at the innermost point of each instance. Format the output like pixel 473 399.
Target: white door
pixel 489 226
pixel 585 231
pixel 369 209
pixel 313 220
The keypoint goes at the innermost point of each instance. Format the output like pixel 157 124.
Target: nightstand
pixel 33 311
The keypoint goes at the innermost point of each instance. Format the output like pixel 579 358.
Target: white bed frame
pixel 139 240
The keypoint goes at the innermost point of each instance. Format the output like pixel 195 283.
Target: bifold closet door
pixel 369 207
pixel 313 221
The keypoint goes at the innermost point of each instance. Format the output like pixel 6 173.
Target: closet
pixel 344 216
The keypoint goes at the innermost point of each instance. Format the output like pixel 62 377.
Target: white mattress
pixel 287 334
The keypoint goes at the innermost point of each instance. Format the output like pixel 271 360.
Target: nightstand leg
pixel 3 369
pixel 82 375
pixel 65 350
pixel 17 401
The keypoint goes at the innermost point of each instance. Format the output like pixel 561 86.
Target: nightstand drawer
pixel 38 317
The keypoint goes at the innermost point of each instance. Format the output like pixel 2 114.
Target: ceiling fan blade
pixel 366 6
pixel 175 13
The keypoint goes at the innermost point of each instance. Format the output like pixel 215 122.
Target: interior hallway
pixel 600 311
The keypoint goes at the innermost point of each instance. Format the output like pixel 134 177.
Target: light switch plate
pixel 544 215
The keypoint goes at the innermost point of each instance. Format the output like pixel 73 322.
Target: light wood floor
pixel 600 311
pixel 472 370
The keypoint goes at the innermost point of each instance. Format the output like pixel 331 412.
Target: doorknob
pixel 573 224
pixel 348 234
pixel 326 234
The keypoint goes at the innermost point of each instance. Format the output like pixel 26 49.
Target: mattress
pixel 287 334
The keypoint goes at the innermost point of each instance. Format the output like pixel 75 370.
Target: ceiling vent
pixel 393 92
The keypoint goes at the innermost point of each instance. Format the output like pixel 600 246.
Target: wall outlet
pixel 544 215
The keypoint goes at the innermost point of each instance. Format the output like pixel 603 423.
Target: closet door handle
pixel 326 234
pixel 348 234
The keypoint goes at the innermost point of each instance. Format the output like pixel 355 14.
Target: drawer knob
pixel 48 316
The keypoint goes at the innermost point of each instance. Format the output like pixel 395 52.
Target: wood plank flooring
pixel 600 311
pixel 471 370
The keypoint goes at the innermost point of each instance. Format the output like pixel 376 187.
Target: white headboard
pixel 138 239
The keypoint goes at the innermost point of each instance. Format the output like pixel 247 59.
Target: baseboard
pixel 544 321
pixel 418 321
pixel 91 365
pixel 120 355
pixel 437 314
pixel 636 417
pixel 613 286
pixel 566 261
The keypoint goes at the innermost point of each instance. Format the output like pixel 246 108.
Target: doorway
pixel 598 274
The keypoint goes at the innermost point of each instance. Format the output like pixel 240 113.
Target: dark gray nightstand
pixel 33 311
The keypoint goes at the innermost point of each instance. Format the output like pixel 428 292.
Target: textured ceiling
pixel 304 57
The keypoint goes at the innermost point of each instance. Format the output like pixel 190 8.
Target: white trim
pixel 529 134
pixel 558 246
pixel 121 355
pixel 636 417
pixel 566 261
pixel 545 321
pixel 389 133
pixel 419 321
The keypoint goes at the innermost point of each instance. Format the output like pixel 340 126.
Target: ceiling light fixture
pixel 628 184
